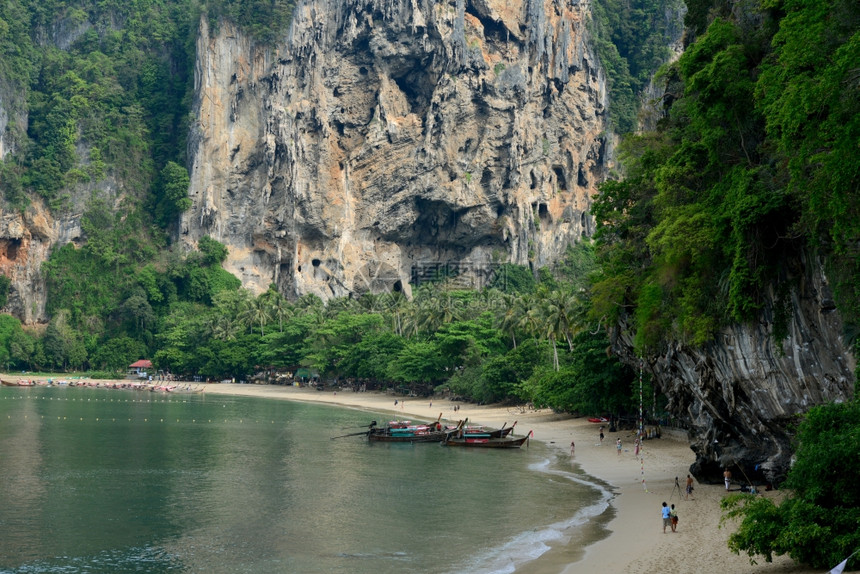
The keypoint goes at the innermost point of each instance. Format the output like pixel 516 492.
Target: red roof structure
pixel 143 363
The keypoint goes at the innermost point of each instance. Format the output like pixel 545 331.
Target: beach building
pixel 139 369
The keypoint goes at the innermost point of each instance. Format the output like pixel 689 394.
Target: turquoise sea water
pixel 98 480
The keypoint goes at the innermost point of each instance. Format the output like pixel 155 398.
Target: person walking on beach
pixel 572 447
pixel 618 446
pixel 673 517
pixel 667 517
pixel 601 434
pixel 727 476
pixel 689 488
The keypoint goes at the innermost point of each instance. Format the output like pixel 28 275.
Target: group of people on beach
pixel 670 515
pixel 670 518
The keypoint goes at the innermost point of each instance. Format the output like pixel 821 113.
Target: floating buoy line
pixel 114 419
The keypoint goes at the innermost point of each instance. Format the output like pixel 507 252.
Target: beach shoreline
pixel 635 542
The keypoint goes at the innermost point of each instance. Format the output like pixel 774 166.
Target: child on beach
pixel 667 517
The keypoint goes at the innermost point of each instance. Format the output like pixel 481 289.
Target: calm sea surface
pixel 112 481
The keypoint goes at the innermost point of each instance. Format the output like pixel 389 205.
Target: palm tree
pixel 335 306
pixel 557 311
pixel 221 327
pixel 527 315
pixel 393 306
pixel 279 307
pixel 253 311
pixel 260 312
pixel 507 315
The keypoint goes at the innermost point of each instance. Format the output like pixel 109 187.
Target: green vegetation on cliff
pixel 106 86
pixel 755 163
pixel 633 39
pixel 751 179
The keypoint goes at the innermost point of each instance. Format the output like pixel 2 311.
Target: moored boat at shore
pixel 19 383
pixel 464 439
pixel 487 432
pixel 481 431
pixel 434 432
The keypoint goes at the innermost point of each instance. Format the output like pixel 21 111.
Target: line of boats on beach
pixel 127 385
pixel 462 434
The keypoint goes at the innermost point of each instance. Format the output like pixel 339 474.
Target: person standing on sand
pixel 727 476
pixel 673 516
pixel 618 446
pixel 667 517
pixel 572 447
pixel 689 488
pixel 601 434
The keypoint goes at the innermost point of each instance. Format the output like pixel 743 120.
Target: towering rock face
pixel 388 137
pixel 25 242
pixel 26 237
pixel 741 394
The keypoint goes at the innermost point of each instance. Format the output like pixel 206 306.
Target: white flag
pixel 838 569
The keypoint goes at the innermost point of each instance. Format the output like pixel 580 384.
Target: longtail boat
pixel 481 431
pixel 433 432
pixel 19 383
pixel 463 439
pixel 487 432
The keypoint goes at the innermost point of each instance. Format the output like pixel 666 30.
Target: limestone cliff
pixel 26 238
pixel 384 138
pixel 741 394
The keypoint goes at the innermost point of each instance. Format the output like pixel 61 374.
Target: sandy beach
pixel 635 542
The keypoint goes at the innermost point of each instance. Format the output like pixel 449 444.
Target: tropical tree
pixel 279 307
pixel 816 523
pixel 417 362
pixel 507 316
pixel 117 353
pixel 171 193
pixel 556 310
pixel 257 312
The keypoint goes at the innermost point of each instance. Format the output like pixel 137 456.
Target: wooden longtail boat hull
pixel 419 433
pixel 489 433
pixel 506 442
pixel 381 436
pixel 21 383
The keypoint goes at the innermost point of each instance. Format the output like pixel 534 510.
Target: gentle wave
pixel 531 545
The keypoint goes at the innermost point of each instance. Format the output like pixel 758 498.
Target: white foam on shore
pixel 531 545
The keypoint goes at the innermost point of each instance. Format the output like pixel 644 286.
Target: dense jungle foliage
pixel 754 169
pixel 633 39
